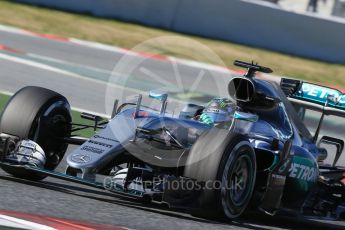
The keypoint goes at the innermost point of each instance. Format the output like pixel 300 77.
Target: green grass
pixel 3 100
pixel 75 118
pixel 128 35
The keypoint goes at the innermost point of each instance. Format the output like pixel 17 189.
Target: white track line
pixel 97 45
pixel 105 47
pixel 111 48
pixel 45 58
pixel 14 30
pixel 80 110
pixel 46 67
pixel 60 71
pixel 77 109
pixel 8 93
pixel 37 65
pixel 23 224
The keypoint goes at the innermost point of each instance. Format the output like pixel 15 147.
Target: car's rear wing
pixel 314 97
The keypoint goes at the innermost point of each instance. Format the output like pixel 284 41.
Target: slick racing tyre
pixel 226 163
pixel 42 116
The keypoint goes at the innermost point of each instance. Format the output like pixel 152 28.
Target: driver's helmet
pixel 218 110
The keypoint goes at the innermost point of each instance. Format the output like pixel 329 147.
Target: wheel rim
pixel 240 179
pixel 53 120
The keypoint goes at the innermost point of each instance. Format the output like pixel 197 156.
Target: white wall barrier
pixel 259 25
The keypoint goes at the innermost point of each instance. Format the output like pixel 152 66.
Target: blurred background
pixel 322 7
pixel 96 51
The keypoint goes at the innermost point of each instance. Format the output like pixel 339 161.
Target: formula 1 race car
pixel 249 151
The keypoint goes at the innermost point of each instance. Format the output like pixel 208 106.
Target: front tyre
pixel 227 161
pixel 42 116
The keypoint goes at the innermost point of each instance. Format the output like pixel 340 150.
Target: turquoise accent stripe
pixel 318 94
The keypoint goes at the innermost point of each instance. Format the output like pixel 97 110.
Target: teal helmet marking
pixel 218 110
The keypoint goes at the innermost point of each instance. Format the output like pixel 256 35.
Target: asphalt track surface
pixel 81 74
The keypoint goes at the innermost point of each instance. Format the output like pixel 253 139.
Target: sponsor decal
pixel 303 172
pixel 92 149
pixel 320 94
pixel 105 138
pixel 81 158
pixel 319 91
pixel 100 143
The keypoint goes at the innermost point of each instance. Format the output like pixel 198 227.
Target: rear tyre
pixel 40 115
pixel 226 162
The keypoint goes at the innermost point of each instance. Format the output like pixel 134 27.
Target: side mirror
pixel 161 96
pixel 241 89
pixel 246 116
pixel 339 144
pixel 158 95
